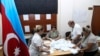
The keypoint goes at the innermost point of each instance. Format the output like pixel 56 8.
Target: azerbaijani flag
pixel 14 43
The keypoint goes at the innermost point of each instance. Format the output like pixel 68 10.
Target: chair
pixel 67 33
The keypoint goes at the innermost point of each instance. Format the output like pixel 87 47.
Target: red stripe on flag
pixel 11 42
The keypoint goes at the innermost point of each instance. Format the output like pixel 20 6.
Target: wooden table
pixel 60 53
pixel 56 52
pixel 66 53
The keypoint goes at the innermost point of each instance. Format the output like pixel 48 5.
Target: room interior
pixel 67 10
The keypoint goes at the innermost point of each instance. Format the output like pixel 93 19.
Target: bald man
pixel 76 32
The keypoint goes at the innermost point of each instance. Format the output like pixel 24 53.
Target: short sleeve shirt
pixel 90 39
pixel 77 30
pixel 36 41
pixel 52 34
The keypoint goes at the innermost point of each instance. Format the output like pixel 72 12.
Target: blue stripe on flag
pixel 12 14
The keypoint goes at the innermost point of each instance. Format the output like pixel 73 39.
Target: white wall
pixel 96 2
pixel 64 14
pixel 0 30
pixel 67 9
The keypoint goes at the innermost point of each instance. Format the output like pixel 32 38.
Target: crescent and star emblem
pixel 9 37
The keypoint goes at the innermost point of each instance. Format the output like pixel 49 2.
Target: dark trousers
pixel 90 53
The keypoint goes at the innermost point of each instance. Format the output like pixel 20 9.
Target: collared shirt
pixel 77 30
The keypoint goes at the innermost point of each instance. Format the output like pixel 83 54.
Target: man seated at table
pixel 53 33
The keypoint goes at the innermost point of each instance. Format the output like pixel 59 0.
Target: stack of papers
pixel 64 45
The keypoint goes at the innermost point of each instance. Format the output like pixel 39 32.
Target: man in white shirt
pixel 76 32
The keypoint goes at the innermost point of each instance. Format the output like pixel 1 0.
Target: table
pixel 60 53
pixel 56 52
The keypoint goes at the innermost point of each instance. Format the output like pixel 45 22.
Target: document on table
pixel 64 45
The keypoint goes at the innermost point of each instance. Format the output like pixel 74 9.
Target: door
pixel 96 20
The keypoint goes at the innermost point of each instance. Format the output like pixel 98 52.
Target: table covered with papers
pixel 61 47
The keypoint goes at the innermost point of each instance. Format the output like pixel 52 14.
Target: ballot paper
pixel 47 42
pixel 51 50
pixel 61 44
pixel 74 51
pixel 64 45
